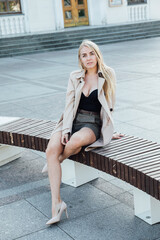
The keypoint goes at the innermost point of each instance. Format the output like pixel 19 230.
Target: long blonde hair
pixel 108 73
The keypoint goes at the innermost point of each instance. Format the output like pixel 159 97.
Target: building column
pixel 58 13
pixel 97 12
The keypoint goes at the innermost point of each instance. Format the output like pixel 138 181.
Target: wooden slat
pixel 146 162
pixel 128 148
pixel 136 153
pixel 128 152
pixel 143 156
pixel 126 144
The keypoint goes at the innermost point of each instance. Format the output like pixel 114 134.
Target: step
pixel 72 33
pixel 31 51
pixel 79 38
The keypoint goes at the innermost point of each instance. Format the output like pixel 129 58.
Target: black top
pixel 90 103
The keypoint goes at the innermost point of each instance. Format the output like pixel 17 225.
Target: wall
pixel 97 12
pixel 58 13
pixel 117 14
pixel 40 15
pixel 154 9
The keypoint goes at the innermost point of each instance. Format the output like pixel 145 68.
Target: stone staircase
pixel 71 38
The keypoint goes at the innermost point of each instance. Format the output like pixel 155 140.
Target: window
pixel 10 6
pixel 132 2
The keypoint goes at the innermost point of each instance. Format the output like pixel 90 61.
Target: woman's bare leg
pixel 53 151
pixel 80 138
pixel 56 153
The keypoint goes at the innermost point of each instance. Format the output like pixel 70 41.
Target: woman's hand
pixel 65 138
pixel 117 136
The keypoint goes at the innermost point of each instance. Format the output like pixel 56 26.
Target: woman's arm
pixel 68 112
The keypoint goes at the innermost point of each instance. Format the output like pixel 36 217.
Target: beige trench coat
pixel 74 90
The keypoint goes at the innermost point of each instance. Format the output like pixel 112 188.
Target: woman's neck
pixel 91 71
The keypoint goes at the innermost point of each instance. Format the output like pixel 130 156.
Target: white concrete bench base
pixel 8 153
pixel 146 207
pixel 75 174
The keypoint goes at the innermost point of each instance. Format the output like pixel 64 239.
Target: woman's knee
pixel 75 142
pixel 50 150
pixel 54 148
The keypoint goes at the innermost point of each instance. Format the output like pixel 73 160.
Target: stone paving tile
pixel 114 223
pixel 53 233
pixel 130 80
pixel 127 115
pixel 127 199
pixel 12 110
pixel 136 97
pixel 148 123
pixel 22 193
pixel 18 219
pixel 108 188
pixel 80 201
pixel 143 83
pixel 122 184
pixel 22 90
pixel 150 107
pixel 129 129
pixel 22 170
pixel 52 111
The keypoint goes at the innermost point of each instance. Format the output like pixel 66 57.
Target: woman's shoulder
pixel 77 74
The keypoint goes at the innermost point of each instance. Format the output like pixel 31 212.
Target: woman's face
pixel 88 58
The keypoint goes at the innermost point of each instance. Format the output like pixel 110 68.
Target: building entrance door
pixel 75 12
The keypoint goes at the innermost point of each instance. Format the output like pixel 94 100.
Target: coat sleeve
pixel 68 112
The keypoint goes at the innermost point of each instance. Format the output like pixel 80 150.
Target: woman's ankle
pixel 55 207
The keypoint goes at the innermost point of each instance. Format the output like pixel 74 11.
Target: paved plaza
pixel 34 86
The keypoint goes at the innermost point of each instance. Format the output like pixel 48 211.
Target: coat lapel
pixel 78 93
pixel 101 96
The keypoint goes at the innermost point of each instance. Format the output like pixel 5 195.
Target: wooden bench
pixel 132 159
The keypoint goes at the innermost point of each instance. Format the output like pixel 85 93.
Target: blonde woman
pixel 87 118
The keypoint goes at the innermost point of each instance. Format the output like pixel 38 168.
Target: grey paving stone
pixel 20 218
pixel 121 184
pixel 137 131
pixel 22 91
pixel 149 123
pixel 128 115
pixel 21 194
pixel 113 223
pixel 108 188
pixel 53 233
pixel 150 107
pixel 23 170
pixel 80 201
pixel 134 96
pixel 11 110
pixel 127 199
pixel 42 108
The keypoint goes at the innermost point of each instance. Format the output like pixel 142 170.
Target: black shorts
pixel 87 119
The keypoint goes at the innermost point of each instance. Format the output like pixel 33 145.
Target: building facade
pixel 33 16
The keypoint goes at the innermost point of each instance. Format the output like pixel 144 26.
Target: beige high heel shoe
pixel 57 218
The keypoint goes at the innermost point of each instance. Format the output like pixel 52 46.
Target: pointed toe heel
pixel 63 207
